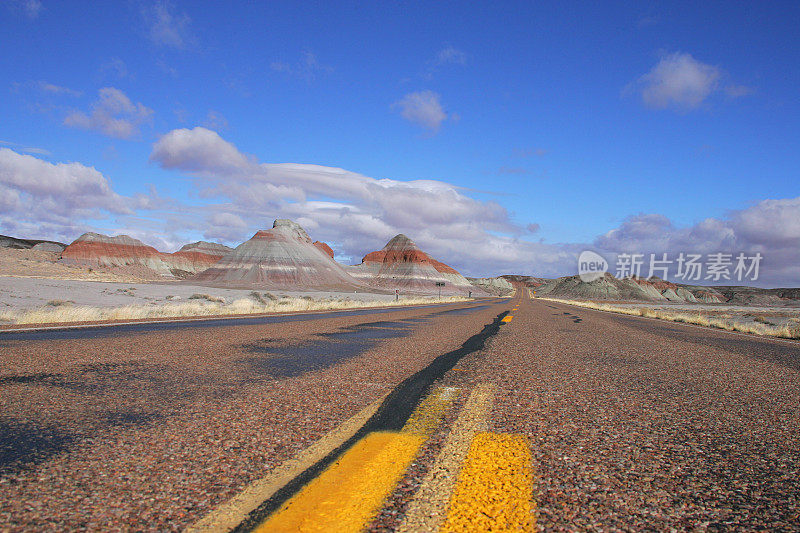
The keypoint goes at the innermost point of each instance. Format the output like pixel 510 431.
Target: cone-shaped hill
pixel 281 258
pixel 402 265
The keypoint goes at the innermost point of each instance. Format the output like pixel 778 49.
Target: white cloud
pixel 678 80
pixel 116 68
pixel 225 226
pixel 198 150
pixel 167 27
pixel 113 114
pixel 357 212
pixel 450 55
pixel 738 91
pixel 29 8
pixel 307 67
pixel 40 196
pixel 57 89
pixel 771 227
pixel 422 108
pixel 26 149
pixel 215 121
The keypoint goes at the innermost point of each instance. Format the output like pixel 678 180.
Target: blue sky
pixel 516 133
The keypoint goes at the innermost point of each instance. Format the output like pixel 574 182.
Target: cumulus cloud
pixel 38 195
pixel 166 27
pixel 225 226
pixel 113 114
pixel 355 212
pixel 678 80
pixel 770 227
pixel 422 108
pixel 198 150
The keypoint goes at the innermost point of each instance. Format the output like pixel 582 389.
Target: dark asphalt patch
pixel 23 444
pixel 291 360
pixel 390 416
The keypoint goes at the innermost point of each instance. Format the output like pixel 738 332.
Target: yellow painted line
pixel 494 488
pixel 350 491
pixel 230 514
pixel 428 508
pixel 427 416
pixel 507 318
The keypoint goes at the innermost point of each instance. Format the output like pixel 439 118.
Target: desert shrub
pixel 260 299
pixel 208 298
pixel 59 303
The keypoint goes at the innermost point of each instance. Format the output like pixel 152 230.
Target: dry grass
pixel 200 306
pixel 788 331
pixel 208 298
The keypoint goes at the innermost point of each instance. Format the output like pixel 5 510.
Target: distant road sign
pixel 440 283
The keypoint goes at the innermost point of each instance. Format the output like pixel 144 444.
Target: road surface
pixel 518 413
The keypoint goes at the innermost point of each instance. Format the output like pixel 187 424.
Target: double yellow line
pixel 493 489
pixel 350 491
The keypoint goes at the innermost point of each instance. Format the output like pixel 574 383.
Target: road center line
pixel 228 515
pixel 349 492
pixel 494 489
pixel 429 506
pixel 346 495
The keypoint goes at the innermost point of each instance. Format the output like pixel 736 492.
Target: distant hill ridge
pixel 655 289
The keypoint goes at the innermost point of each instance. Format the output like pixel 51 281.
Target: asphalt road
pixel 149 426
pixel 628 424
pixel 645 425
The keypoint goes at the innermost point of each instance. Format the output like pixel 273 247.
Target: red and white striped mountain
pixel 402 265
pixel 281 258
pixel 131 255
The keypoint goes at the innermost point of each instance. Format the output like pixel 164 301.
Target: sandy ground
pixel 30 293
